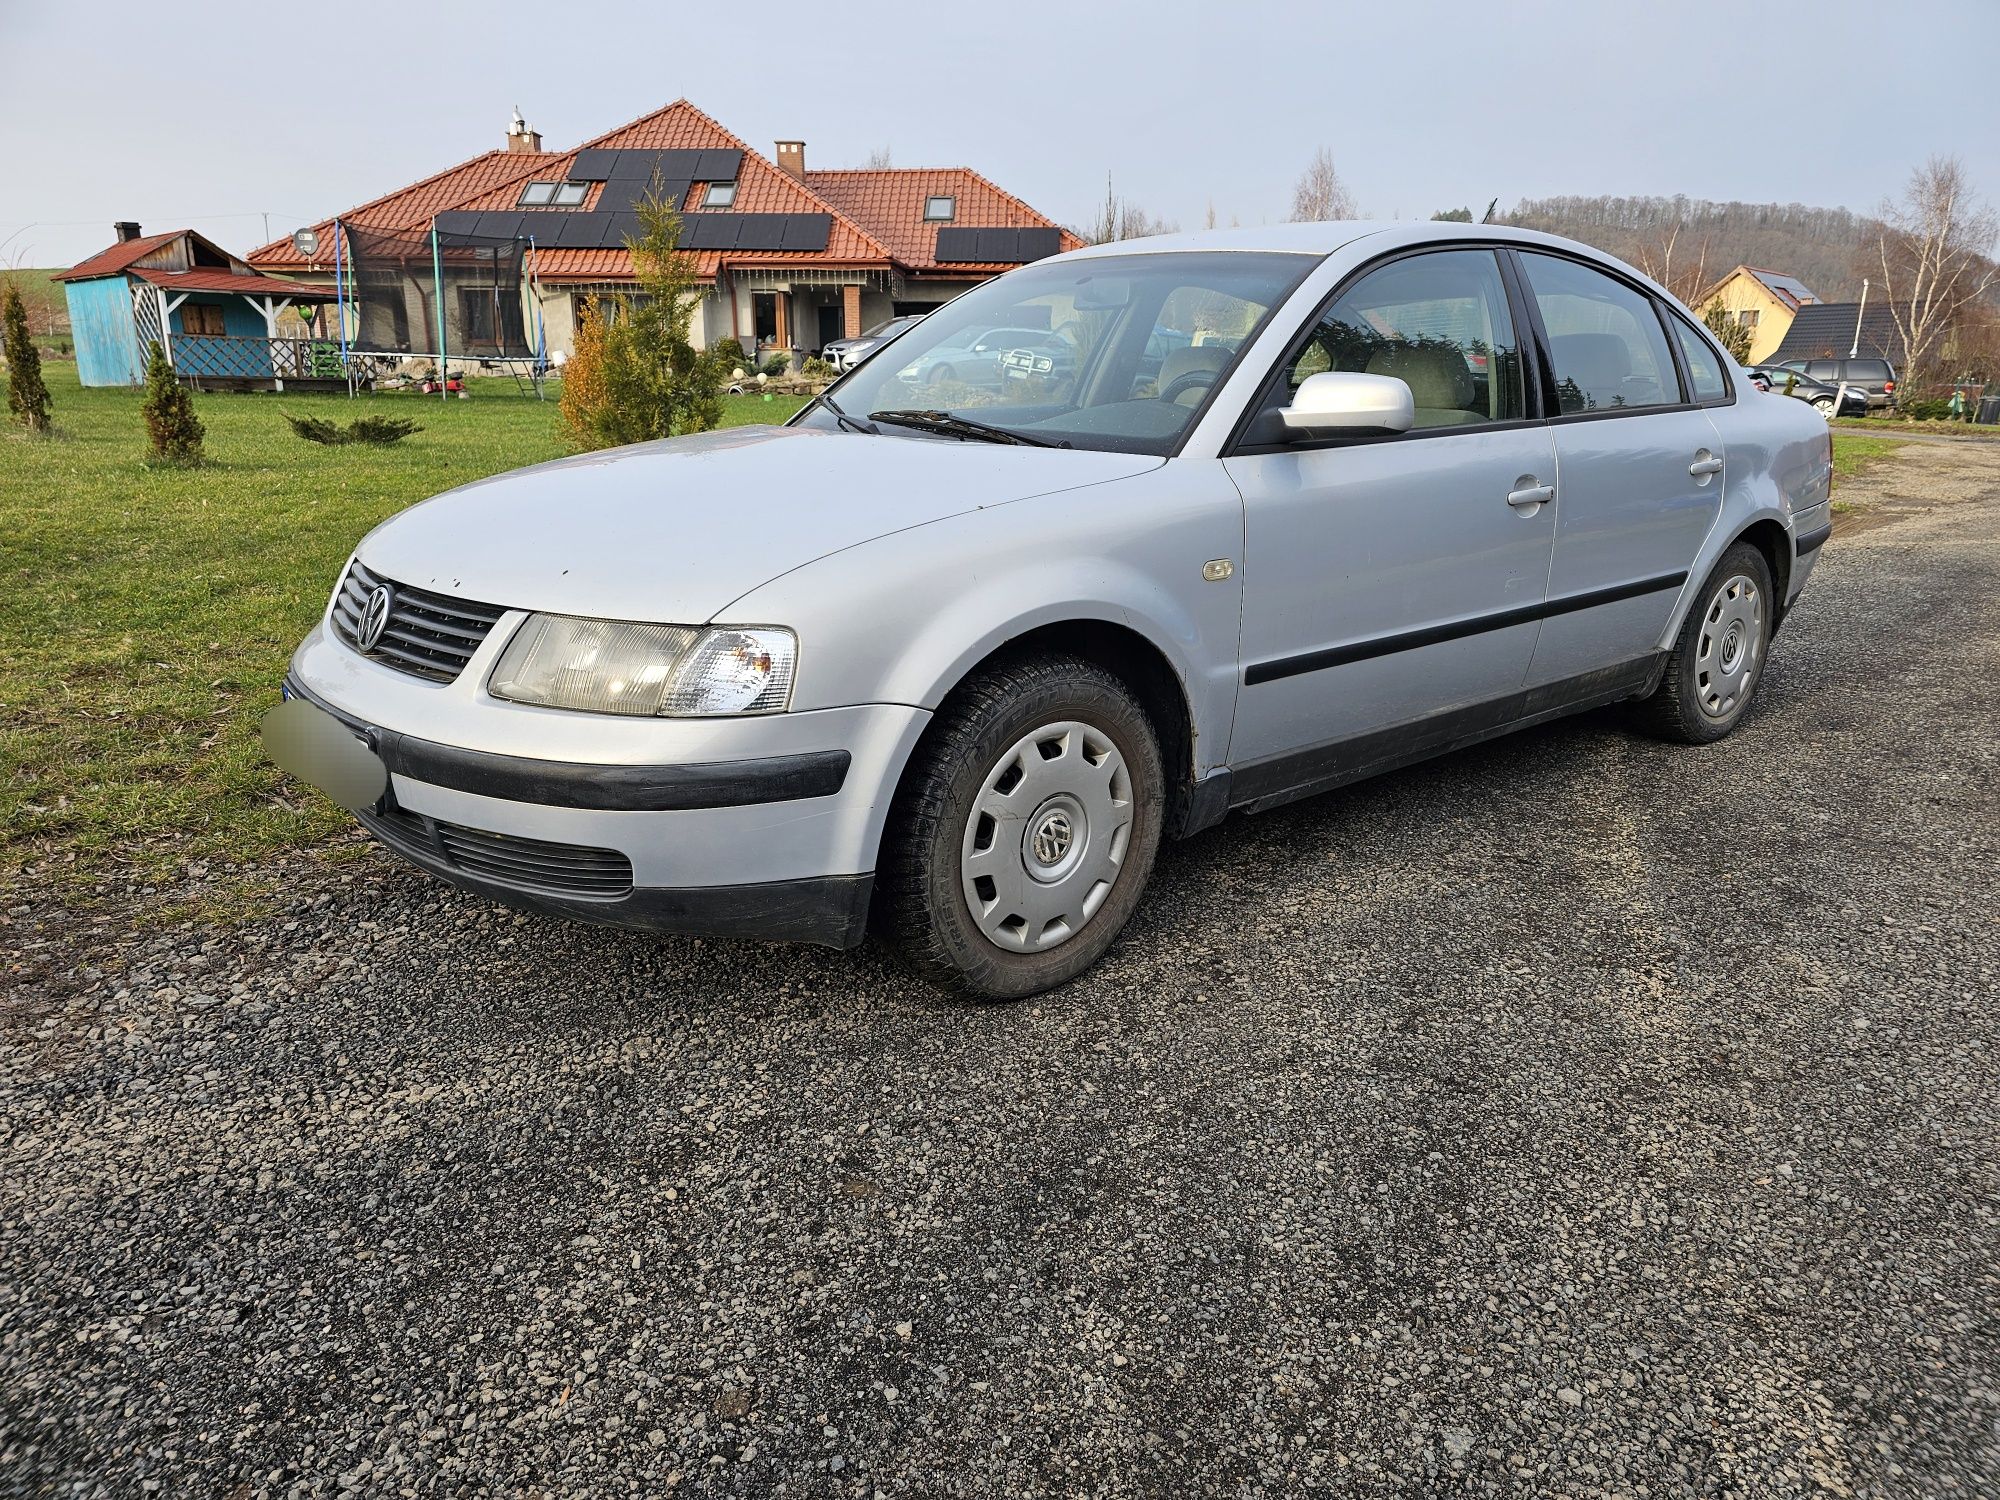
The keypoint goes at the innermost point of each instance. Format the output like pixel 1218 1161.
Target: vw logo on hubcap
pixel 374 618
pixel 1052 839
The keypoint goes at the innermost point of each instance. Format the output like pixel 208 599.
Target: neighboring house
pixel 1764 302
pixel 792 258
pixel 215 317
pixel 1831 330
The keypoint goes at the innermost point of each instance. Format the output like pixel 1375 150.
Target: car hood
pixel 673 531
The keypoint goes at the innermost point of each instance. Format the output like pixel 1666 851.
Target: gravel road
pixel 1575 1116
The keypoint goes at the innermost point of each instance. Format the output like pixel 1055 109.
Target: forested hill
pixel 1823 247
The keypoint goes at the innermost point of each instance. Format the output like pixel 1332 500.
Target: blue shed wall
pixel 199 354
pixel 100 321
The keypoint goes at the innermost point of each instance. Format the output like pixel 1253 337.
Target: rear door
pixel 1640 472
pixel 1392 585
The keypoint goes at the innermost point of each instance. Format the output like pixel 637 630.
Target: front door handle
pixel 1705 463
pixel 1531 494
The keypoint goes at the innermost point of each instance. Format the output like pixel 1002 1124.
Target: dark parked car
pixel 1786 381
pixel 1875 377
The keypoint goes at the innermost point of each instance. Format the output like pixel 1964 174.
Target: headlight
pixel 613 667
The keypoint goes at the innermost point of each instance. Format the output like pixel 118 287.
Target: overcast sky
pixel 213 116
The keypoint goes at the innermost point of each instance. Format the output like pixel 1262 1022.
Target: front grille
pixel 428 635
pixel 527 864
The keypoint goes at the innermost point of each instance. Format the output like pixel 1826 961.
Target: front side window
pixel 1057 351
pixel 940 208
pixel 719 195
pixel 1439 323
pixel 1704 369
pixel 1605 339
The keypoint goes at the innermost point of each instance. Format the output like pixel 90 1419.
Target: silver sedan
pixel 950 669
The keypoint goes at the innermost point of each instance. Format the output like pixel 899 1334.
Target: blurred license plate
pixel 314 746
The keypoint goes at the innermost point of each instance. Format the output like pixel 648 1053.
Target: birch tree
pixel 1933 253
pixel 1320 194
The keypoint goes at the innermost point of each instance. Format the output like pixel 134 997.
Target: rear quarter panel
pixel 1777 467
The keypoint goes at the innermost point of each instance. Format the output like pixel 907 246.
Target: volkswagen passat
pixel 953 672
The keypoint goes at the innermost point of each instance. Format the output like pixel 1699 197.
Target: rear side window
pixel 1823 369
pixel 1704 369
pixel 1868 369
pixel 1605 341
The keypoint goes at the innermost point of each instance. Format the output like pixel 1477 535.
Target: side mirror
pixel 1340 402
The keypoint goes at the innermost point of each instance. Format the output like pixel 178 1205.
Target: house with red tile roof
pixel 216 318
pixel 792 258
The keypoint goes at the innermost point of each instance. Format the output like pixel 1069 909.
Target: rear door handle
pixel 1532 494
pixel 1706 464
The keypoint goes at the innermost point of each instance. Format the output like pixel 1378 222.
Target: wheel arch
pixel 1128 654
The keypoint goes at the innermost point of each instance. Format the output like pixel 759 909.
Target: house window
pixel 535 194
pixel 719 195
pixel 200 319
pixel 569 194
pixel 940 208
pixel 553 194
pixel 1747 318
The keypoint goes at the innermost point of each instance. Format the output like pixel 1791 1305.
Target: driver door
pixel 1393 585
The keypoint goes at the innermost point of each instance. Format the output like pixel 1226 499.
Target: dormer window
pixel 941 208
pixel 719 195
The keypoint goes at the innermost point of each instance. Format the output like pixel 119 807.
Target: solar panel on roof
pixel 807 231
pixel 995 246
pixel 718 166
pixel 593 165
pixel 457 222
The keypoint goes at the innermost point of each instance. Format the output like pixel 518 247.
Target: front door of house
pixel 829 325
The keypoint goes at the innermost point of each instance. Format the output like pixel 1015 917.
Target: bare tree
pixel 1933 253
pixel 1320 194
pixel 879 160
pixel 1656 259
pixel 1121 219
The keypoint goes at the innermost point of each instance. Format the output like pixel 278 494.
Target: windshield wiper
pixel 952 425
pixel 852 424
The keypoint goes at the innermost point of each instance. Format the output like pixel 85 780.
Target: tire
pixel 1824 406
pixel 940 375
pixel 997 898
pixel 1718 659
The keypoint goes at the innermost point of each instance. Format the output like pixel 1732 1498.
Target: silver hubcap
pixel 1730 649
pixel 1047 837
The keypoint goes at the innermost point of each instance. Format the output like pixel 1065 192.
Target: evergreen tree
pixel 27 396
pixel 1731 334
pixel 634 374
pixel 171 424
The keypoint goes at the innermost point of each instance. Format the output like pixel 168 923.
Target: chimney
pixel 519 137
pixel 792 159
pixel 125 229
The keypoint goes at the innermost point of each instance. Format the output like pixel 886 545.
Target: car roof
pixel 1323 239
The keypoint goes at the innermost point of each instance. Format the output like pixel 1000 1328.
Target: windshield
pixel 1115 352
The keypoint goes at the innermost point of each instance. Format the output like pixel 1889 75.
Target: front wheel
pixel 1024 831
pixel 1824 406
pixel 1718 658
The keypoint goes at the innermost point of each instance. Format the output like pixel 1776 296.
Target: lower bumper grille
pixel 573 870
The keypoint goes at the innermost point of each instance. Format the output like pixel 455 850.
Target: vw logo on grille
pixel 374 617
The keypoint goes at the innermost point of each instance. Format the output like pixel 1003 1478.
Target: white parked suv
pixel 953 671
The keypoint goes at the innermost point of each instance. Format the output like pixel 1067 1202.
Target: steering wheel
pixel 1191 380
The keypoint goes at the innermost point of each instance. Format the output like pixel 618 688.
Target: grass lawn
pixel 1852 454
pixel 1931 429
pixel 147 614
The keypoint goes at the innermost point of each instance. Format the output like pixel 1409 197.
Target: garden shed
pixel 216 318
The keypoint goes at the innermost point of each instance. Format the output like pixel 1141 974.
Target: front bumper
pixel 759 827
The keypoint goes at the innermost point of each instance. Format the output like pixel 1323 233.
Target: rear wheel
pixel 1718 658
pixel 1024 831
